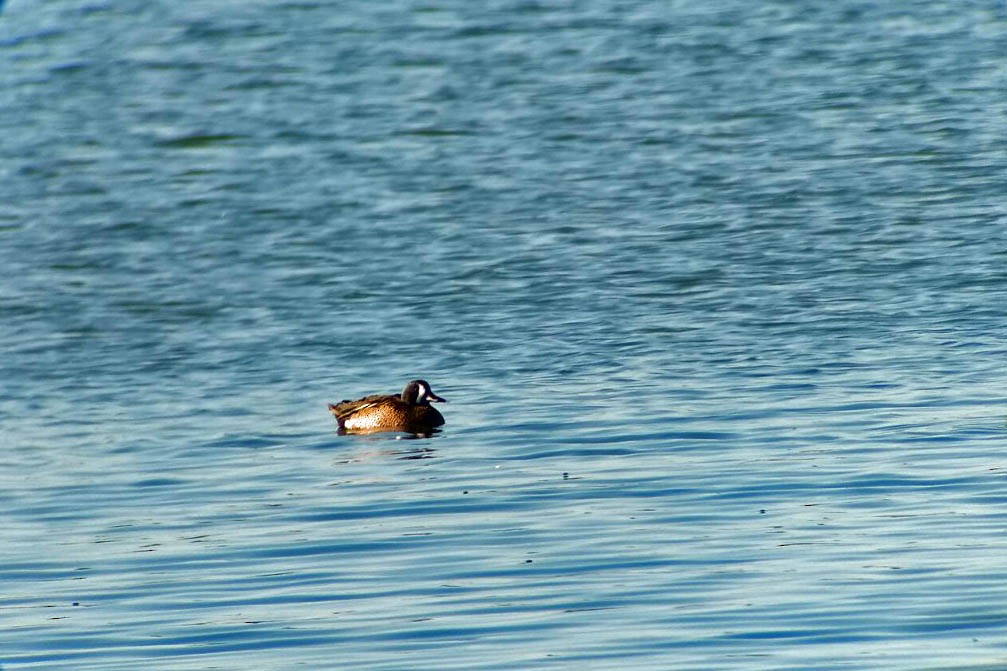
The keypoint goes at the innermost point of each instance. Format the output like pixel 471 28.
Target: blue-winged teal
pixel 409 411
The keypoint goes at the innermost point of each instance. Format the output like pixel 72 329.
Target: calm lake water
pixel 716 292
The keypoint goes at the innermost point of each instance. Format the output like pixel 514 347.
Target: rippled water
pixel 716 292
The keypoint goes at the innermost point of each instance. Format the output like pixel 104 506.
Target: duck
pixel 408 412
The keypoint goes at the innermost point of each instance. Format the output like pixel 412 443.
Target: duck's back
pixel 346 409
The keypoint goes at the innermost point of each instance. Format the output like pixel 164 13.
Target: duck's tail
pixel 335 413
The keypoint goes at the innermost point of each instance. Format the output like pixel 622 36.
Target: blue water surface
pixel 716 292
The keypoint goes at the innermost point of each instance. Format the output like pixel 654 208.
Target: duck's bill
pixel 434 397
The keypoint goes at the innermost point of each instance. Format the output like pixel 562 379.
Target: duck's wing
pixel 346 408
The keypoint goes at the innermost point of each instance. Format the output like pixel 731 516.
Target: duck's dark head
pixel 418 392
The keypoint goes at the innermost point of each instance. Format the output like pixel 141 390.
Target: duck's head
pixel 418 392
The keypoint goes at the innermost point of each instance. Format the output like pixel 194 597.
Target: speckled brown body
pixel 409 412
